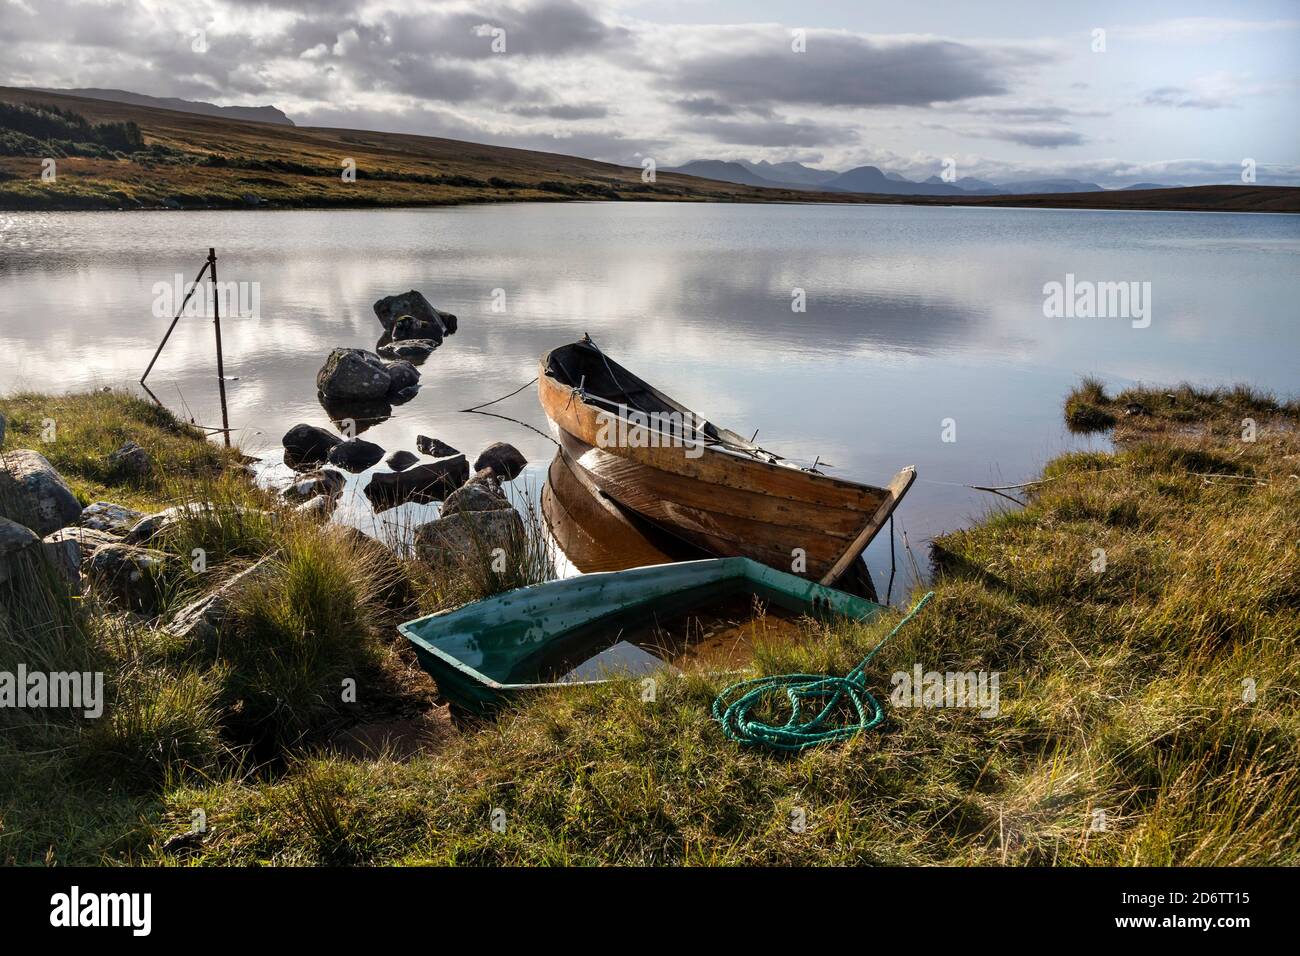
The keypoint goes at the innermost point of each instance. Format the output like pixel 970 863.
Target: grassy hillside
pixel 193 161
pixel 1157 688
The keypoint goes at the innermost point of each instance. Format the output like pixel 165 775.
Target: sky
pixel 1114 93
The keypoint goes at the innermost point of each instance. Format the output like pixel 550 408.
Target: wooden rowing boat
pixel 560 633
pixel 706 485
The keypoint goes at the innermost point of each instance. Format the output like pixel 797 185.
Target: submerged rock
pixel 133 578
pixel 307 445
pixel 107 516
pixel 433 447
pixel 468 538
pixel 401 460
pixel 505 461
pixel 391 308
pixel 34 494
pixel 431 482
pixel 413 350
pixel 355 455
pixel 353 374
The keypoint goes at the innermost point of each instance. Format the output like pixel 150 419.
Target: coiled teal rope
pixel 797 733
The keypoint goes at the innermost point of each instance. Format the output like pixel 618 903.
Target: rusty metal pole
pixel 216 321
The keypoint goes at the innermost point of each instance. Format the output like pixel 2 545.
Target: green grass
pixel 1123 691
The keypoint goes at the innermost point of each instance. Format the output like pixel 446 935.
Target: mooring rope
pixel 829 692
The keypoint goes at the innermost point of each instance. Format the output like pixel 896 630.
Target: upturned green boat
pixel 573 631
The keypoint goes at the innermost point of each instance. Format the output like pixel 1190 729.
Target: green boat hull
pixel 484 654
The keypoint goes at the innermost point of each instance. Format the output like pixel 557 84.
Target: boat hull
pixel 724 503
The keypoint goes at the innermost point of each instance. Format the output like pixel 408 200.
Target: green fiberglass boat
pixel 595 627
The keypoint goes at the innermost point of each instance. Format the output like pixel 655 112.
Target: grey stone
pixel 413 304
pixel 15 540
pixel 401 460
pixel 415 350
pixel 402 375
pixel 468 537
pixel 131 460
pixel 307 445
pixel 506 461
pixel 201 620
pixel 86 539
pixel 130 577
pixel 110 517
pixel 431 482
pixel 433 447
pixel 355 455
pixel 476 495
pixel 326 482
pixel 353 375
pixel 33 493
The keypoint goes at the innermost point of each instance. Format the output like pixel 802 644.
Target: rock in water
pixel 505 461
pixel 414 350
pixel 326 482
pixel 33 493
pixel 308 445
pixel 15 539
pixel 401 460
pixel 431 482
pixel 355 455
pixel 131 577
pixel 130 460
pixel 106 516
pixel 409 327
pixel 391 308
pixel 433 447
pixel 402 375
pixel 476 495
pixel 352 375
pixel 354 416
pixel 468 538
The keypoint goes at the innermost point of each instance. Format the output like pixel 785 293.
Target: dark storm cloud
pixel 565 111
pixel 847 70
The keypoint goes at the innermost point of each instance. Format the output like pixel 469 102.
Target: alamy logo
pixel 632 428
pixel 977 690
pixel 238 300
pixel 76 690
pixel 1084 299
pixel 74 908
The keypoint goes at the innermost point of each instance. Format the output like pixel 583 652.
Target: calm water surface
pixel 914 315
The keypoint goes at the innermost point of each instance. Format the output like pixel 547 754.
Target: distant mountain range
pixel 870 179
pixel 258 114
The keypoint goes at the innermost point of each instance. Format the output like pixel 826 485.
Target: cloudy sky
pixel 1167 92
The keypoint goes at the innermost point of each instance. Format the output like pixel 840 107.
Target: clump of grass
pixel 299 631
pixel 1086 408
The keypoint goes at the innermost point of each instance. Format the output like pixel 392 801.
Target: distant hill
pixel 791 173
pixel 723 172
pixel 257 114
pixel 184 160
pixel 1149 186
pixel 869 179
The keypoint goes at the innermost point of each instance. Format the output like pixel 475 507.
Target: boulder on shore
pixel 86 539
pixel 393 307
pixel 477 494
pixel 505 461
pixel 467 538
pixel 34 494
pixel 307 445
pixel 431 482
pixel 15 540
pixel 133 578
pixel 326 481
pixel 353 375
pixel 107 516
pixel 200 622
pixel 130 460
pixel 355 455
